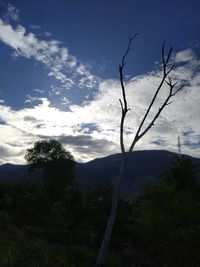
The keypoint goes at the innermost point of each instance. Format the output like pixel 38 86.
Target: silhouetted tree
pixel 182 174
pixel 168 211
pixel 141 131
pixel 57 165
pixel 46 151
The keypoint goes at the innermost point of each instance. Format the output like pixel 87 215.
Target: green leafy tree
pixel 169 217
pixel 57 166
pixel 30 204
pixel 45 152
pixel 182 174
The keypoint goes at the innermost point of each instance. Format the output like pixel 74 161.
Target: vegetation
pixel 56 163
pixel 145 125
pixel 41 228
pixel 46 151
pixel 170 218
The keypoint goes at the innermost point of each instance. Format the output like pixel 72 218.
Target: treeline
pixel 54 223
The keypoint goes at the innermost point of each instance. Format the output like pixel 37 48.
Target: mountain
pixel 142 166
pixel 12 172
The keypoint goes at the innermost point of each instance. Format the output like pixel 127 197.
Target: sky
pixel 59 75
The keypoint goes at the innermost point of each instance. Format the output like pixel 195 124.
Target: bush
pixel 169 230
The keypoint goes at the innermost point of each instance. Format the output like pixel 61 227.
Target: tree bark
pixel 102 257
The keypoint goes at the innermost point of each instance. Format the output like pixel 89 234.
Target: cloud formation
pixel 12 13
pixel 60 64
pixel 91 129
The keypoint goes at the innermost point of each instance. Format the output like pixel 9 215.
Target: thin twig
pixel 124 104
pixel 166 72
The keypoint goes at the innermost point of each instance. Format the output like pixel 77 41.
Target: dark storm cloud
pixel 85 144
pixel 30 119
pixel 84 141
pixel 39 126
pixel 6 152
pixel 3 122
pixel 159 142
pixel 193 145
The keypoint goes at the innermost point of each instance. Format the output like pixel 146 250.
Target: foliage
pixel 170 218
pixel 56 176
pixel 56 163
pixel 39 228
pixel 182 174
pixel 46 151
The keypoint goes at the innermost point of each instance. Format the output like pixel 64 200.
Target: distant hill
pixel 13 172
pixel 142 166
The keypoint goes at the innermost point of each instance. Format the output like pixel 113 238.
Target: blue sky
pixel 59 74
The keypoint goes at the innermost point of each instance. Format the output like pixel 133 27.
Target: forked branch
pixel 165 79
pixel 167 68
pixel 123 102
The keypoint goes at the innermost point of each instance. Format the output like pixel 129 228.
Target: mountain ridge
pixel 142 166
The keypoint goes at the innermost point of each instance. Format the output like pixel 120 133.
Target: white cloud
pixel 47 34
pixel 39 91
pixel 12 13
pixel 65 101
pixel 185 55
pixel 92 130
pixel 56 58
pixel 35 27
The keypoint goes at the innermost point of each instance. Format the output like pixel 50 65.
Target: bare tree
pixel 173 90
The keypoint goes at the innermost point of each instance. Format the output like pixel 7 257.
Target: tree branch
pixel 123 104
pixel 166 102
pixel 166 72
pixel 101 260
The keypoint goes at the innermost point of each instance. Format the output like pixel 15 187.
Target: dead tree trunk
pixel 102 257
pixel 103 252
